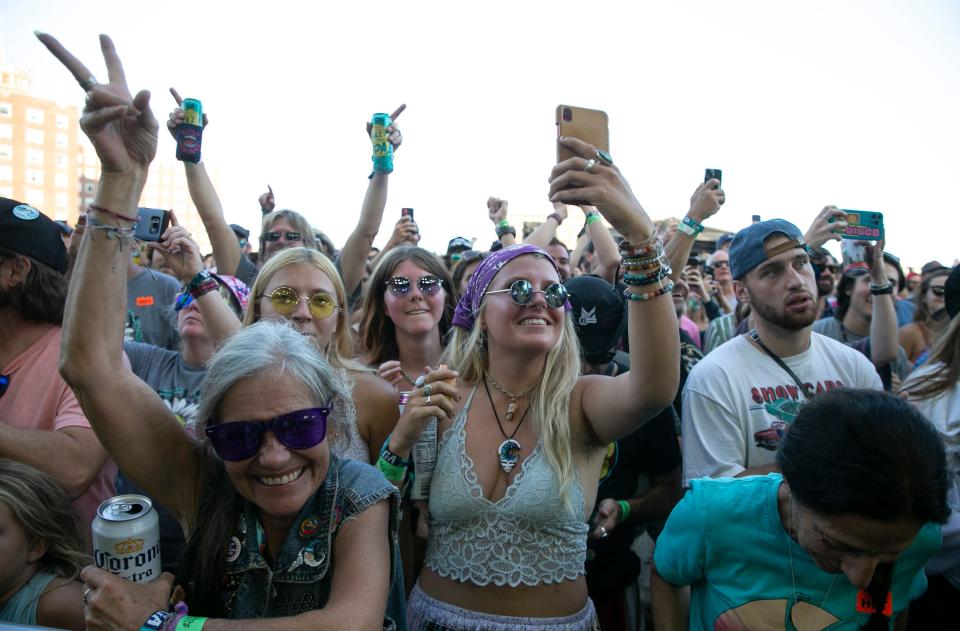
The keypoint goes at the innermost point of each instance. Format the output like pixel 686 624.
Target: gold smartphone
pixel 588 125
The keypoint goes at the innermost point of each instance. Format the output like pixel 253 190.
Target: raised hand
pixel 393 132
pixel 586 180
pixel 706 200
pixel 823 230
pixel 122 128
pixel 177 115
pixel 496 209
pixel 267 201
pixel 182 252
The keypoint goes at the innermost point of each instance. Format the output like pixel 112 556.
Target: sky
pixel 800 104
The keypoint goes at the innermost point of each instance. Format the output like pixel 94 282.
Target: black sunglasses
pixel 239 440
pixel 428 285
pixel 275 236
pixel 938 290
pixel 522 293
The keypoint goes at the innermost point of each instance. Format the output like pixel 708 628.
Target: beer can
pixel 192 112
pixel 126 538
pixel 382 149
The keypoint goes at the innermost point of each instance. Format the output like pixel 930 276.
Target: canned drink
pixel 402 401
pixel 382 149
pixel 126 538
pixel 189 133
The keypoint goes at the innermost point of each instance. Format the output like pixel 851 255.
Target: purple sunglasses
pixel 239 440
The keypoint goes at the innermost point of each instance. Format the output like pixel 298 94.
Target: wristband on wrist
pixel 391 457
pixel 202 283
pixel 506 230
pixel 503 223
pixel 190 623
pixel 593 217
pixel 113 213
pixel 156 621
pixel 690 226
pixel 391 472
pixel 624 509
pixel 880 290
pixel 556 218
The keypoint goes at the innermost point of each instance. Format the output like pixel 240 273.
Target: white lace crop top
pixel 348 443
pixel 528 537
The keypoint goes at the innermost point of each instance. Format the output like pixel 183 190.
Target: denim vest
pixel 301 576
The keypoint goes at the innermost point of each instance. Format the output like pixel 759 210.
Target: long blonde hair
pixel 339 349
pixel 551 412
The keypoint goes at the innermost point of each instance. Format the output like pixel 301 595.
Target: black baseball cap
pixel 27 231
pixel 240 231
pixel 599 314
pixel 459 244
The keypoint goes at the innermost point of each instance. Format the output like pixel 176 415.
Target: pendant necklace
pixel 512 407
pixel 793 575
pixel 509 450
pixel 412 382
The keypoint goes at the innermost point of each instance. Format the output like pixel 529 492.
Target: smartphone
pixel 152 223
pixel 755 219
pixel 863 225
pixel 590 126
pixel 407 212
pixel 713 174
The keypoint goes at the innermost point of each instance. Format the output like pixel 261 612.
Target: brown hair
pixel 377 331
pixel 947 352
pixel 42 295
pixel 922 312
pixel 296 220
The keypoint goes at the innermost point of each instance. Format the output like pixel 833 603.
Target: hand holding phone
pixel 590 126
pixel 863 225
pixel 714 174
pixel 151 224
pixel 407 212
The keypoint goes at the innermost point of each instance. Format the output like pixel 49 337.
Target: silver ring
pixel 85 601
pixel 428 389
pixel 419 381
pixel 88 83
pixel 603 533
pixel 428 401
pixel 605 157
pixel 589 165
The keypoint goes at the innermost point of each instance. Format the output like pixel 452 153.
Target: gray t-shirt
pixel 150 298
pixel 833 328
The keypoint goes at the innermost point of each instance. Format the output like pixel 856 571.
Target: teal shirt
pixel 726 541
pixel 22 608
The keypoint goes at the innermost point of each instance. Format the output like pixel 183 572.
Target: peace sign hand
pixel 122 128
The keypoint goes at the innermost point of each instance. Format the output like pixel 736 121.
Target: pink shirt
pixel 38 398
pixel 690 328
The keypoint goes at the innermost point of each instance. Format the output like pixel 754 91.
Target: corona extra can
pixel 126 538
pixel 382 149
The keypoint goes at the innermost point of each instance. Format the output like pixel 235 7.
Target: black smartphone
pixel 152 223
pixel 713 174
pixel 407 212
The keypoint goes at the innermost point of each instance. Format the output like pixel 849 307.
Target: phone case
pixel 151 224
pixel 863 225
pixel 590 126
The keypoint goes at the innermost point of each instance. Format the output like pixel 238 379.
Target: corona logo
pixel 129 546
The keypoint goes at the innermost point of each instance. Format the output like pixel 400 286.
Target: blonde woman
pixel 302 286
pixel 523 433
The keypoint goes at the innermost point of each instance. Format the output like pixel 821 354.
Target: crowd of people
pixel 629 434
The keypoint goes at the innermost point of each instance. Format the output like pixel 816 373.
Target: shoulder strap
pixel 807 391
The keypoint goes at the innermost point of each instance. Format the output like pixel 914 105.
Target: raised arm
pixel 353 256
pixel 149 446
pixel 226 249
pixel 616 406
pixel 497 212
pixel 704 203
pixel 884 334
pixel 546 232
pixel 604 247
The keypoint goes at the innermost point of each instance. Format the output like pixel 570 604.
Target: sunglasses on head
pixel 522 293
pixel 286 299
pixel 275 236
pixel 938 290
pixel 184 300
pixel 428 285
pixel 239 440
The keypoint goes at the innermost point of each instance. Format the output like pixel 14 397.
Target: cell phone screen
pixel 406 212
pixel 713 174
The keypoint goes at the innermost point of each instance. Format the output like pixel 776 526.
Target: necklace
pixel 793 575
pixel 509 450
pixel 407 377
pixel 512 407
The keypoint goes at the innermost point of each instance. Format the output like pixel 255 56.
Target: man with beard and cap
pixel 826 268
pixel 738 401
pixel 41 423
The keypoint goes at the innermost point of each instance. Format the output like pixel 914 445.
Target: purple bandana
pixel 469 303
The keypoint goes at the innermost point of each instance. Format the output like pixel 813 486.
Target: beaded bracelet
pixel 624 509
pixel 593 217
pixel 113 213
pixel 391 472
pixel 648 246
pixel 650 295
pixel 646 279
pixel 639 265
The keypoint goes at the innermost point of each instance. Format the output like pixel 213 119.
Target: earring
pixel 482 339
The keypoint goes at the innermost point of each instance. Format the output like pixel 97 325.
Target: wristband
pixel 199 279
pixel 880 290
pixel 391 472
pixel 156 621
pixel 391 457
pixel 113 213
pixel 503 223
pixel 506 230
pixel 556 218
pixel 592 217
pixel 190 623
pixel 202 283
pixel 690 226
pixel 624 509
